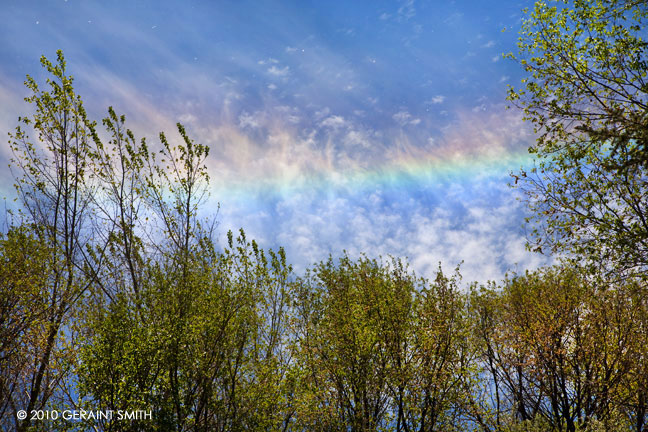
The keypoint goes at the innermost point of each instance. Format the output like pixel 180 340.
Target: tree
pixel 342 313
pixel 206 350
pixel 379 349
pixel 55 191
pixel 113 293
pixel 586 94
pixel 24 312
pixel 442 373
pixel 563 350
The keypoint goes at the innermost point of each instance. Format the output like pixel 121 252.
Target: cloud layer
pixel 374 128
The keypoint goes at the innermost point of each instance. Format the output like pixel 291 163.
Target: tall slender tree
pixel 55 191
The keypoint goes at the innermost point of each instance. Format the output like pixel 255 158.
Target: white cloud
pixel 268 61
pixel 404 118
pixel 334 122
pixel 279 72
pixel 437 99
pixel 187 119
pixel 357 138
pixel 406 11
pixel 454 19
pixel 475 222
pixel 324 112
pixel 249 121
pixel 489 44
pixel 332 184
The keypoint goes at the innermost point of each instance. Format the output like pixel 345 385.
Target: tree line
pixel 114 294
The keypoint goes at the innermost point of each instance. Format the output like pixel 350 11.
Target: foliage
pixel 54 189
pixel 586 95
pixel 380 349
pixel 115 296
pixel 24 312
pixel 558 345
pixel 205 349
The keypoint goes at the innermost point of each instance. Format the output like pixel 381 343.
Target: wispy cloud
pixel 406 11
pixel 268 61
pixel 320 203
pixel 334 122
pixel 438 99
pixel 405 118
pixel 475 225
pixel 317 145
pixel 249 120
pixel 279 71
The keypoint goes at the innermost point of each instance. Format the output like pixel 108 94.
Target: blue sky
pixel 369 126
